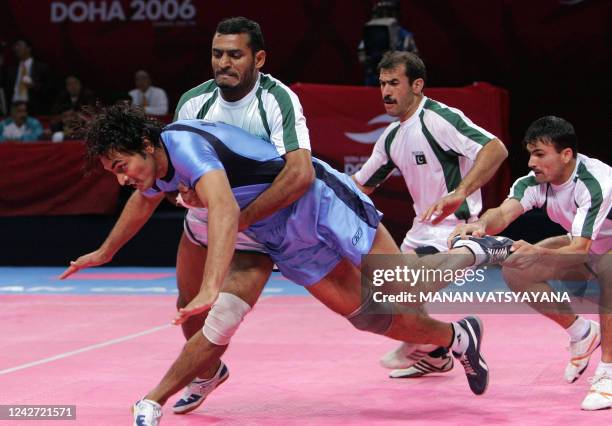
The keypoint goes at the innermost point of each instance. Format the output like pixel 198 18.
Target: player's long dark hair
pixel 119 128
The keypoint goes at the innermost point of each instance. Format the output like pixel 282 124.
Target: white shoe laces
pixel 497 255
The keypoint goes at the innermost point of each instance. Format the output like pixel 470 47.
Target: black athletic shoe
pixel 488 249
pixel 476 369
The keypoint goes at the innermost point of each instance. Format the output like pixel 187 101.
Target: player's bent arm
pixel 215 192
pixel 365 189
pixel 292 182
pixel 496 220
pixel 574 254
pixel 578 246
pixel 488 160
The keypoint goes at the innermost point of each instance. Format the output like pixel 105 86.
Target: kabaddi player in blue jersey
pixel 316 242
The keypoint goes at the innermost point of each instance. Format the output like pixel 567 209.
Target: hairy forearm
pixel 222 230
pixel 487 162
pixel 290 184
pixel 574 254
pixel 135 214
pixel 495 221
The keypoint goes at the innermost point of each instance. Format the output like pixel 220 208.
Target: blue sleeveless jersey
pixel 306 239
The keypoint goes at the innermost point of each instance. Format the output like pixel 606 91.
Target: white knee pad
pixel 224 318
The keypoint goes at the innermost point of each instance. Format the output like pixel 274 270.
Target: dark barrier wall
pixel 553 56
pixel 45 179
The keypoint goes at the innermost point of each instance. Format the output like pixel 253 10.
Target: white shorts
pixel 425 234
pixel 196 229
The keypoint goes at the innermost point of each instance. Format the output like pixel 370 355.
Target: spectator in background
pixel 152 99
pixel 73 97
pixel 20 127
pixel 381 34
pixel 3 100
pixel 64 130
pixel 29 80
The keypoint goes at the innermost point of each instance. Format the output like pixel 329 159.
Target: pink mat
pixel 292 362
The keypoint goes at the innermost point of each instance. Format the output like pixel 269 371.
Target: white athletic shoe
pixel 413 360
pixel 426 365
pixel 581 352
pixel 197 391
pixel 600 394
pixel 406 355
pixel 146 413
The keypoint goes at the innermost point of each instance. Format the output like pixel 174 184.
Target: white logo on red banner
pixel 371 137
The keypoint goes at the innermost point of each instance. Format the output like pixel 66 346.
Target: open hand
pixel 88 260
pixel 445 206
pixel 465 229
pixel 201 303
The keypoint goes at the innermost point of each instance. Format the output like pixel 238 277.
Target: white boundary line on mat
pixel 85 349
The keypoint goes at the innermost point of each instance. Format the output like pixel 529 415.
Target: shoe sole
pixel 481 358
pixel 595 409
pixel 415 375
pixel 193 407
pixel 418 373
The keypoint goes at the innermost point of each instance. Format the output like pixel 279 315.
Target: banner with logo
pixel 345 122
pixel 50 179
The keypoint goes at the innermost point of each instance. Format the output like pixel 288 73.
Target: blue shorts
pixel 332 221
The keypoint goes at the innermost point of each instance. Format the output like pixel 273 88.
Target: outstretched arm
pixel 135 214
pixel 492 222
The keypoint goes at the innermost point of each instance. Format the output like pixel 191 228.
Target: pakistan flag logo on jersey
pixel 419 157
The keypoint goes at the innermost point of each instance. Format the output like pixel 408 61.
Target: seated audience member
pixel 152 99
pixel 73 97
pixel 19 126
pixel 65 130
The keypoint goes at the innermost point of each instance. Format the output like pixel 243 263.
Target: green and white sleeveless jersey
pixel 434 149
pixel 271 111
pixel 582 205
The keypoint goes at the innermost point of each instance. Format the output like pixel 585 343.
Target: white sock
pixel 604 367
pixel 460 339
pixel 479 254
pixel 579 329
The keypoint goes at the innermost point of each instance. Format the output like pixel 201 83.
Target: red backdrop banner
pixel 49 179
pixel 345 121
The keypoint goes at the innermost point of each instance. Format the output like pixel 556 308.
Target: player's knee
pixel 372 316
pixel 224 318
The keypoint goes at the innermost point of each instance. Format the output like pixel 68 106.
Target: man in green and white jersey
pixel 445 159
pixel 575 191
pixel 242 96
